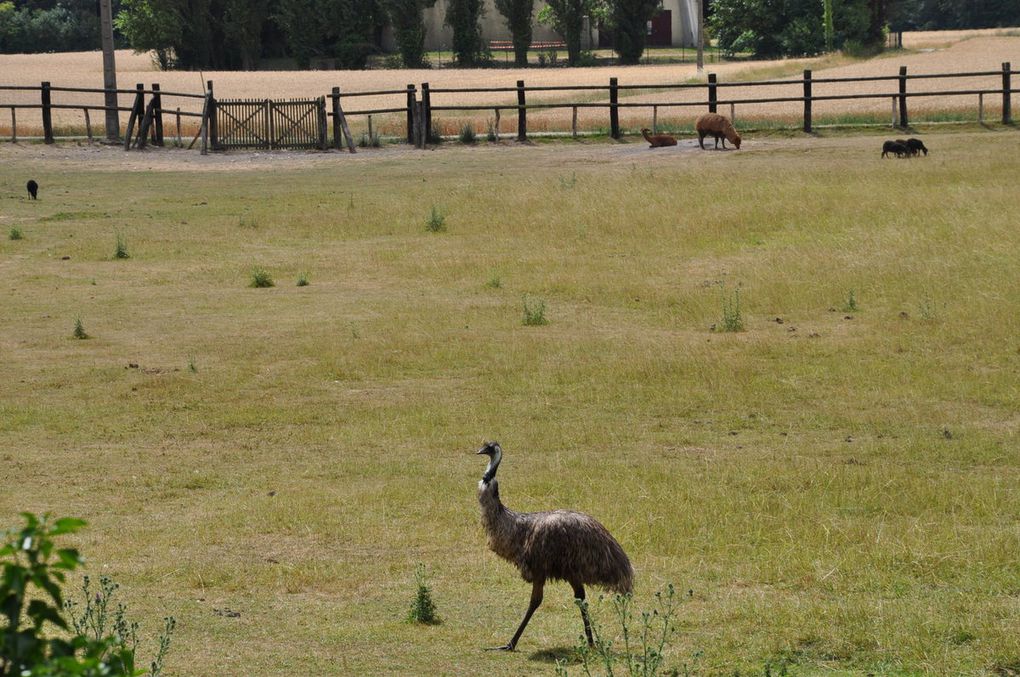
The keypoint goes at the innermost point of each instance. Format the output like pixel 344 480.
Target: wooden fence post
pixel 426 99
pixel 14 125
pixel 419 125
pixel 337 135
pixel 179 142
pixel 88 125
pixel 807 101
pixel 320 110
pixel 146 124
pixel 410 113
pixel 137 110
pixel 614 111
pixel 157 112
pixel 712 97
pixel 214 129
pixel 904 120
pixel 981 109
pixel 522 113
pixel 47 113
pixel 1007 112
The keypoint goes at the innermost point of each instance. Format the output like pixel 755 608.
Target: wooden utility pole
pixel 109 71
pixel 701 34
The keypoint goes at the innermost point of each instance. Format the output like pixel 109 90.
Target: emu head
pixel 495 454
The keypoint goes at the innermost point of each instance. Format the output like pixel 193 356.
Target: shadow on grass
pixel 559 653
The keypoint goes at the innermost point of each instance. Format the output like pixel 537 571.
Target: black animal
pixel 559 544
pixel 916 146
pixel 33 188
pixel 896 147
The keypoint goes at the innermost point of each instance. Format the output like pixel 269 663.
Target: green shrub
pixel 302 280
pixel 78 333
pixel 490 135
pixel 120 251
pixel 436 222
pixel 534 312
pixel 467 135
pixel 15 233
pixel 732 319
pixel 260 278
pixel 369 141
pixel 642 636
pixel 423 608
pixel 851 302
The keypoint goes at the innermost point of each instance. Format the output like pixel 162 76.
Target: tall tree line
pixel 237 34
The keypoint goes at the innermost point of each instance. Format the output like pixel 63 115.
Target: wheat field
pixel 937 52
pixel 832 489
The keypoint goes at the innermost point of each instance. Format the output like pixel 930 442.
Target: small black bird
pixel 33 188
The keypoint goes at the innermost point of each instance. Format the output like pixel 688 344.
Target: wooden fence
pixel 306 124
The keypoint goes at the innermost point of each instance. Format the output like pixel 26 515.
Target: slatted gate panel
pixel 267 124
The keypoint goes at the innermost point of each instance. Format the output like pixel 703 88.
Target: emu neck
pixel 499 522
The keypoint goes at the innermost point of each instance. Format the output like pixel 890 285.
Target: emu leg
pixel 579 595
pixel 536 600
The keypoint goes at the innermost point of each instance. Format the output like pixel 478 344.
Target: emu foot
pixel 505 647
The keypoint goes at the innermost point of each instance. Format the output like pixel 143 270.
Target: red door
pixel 660 33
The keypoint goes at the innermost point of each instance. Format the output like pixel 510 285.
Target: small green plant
pixel 436 221
pixel 369 141
pixel 423 608
pixel 928 307
pixel 302 280
pixel 642 638
pixel 90 618
pixel 79 330
pixel 534 312
pixel 732 320
pixel 248 222
pixel 120 251
pixel 490 136
pixel 261 278
pixel 191 365
pixel 15 234
pixel 494 282
pixel 851 302
pixel 467 135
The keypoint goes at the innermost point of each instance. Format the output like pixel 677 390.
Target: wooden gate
pixel 268 125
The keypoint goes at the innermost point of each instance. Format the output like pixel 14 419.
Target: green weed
pixel 120 249
pixel 534 312
pixel 260 278
pixel 467 135
pixel 79 330
pixel 436 221
pixel 15 234
pixel 423 608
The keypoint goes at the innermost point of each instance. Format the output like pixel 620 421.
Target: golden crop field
pixel 933 52
pixel 833 490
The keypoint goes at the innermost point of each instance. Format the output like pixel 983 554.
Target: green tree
pixel 519 15
pixel 243 24
pixel 409 29
pixel 462 16
pixel 567 18
pixel 630 26
pixel 152 26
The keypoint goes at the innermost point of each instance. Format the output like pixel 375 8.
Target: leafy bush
pixel 436 222
pixel 370 141
pixel 302 280
pixel 423 608
pixel 534 312
pixel 643 638
pixel 260 278
pixel 78 333
pixel 120 251
pixel 15 233
pixel 732 319
pixel 467 135
pixel 31 601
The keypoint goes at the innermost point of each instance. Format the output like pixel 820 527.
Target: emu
pixel 552 545
pixel 33 188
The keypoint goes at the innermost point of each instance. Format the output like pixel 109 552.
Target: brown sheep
pixel 657 140
pixel 718 126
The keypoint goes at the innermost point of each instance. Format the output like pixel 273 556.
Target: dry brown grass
pixel 959 51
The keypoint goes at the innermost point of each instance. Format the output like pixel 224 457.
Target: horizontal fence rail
pixel 270 124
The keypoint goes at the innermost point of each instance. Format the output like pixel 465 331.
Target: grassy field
pixel 835 486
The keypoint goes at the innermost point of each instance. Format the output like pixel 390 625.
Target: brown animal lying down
pixel 657 140
pixel 719 126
